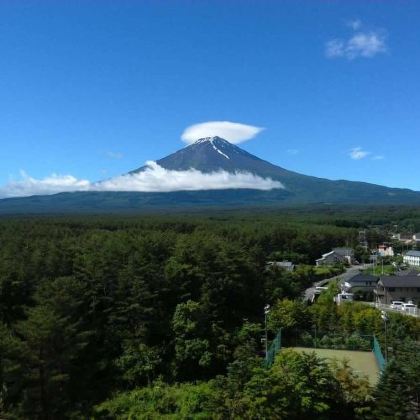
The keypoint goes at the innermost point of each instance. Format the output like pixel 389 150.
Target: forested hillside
pixel 92 306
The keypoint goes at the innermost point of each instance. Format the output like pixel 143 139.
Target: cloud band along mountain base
pixel 153 179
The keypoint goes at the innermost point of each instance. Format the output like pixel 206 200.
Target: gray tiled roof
pixel 407 273
pixel 362 278
pixel 413 253
pixel 400 281
pixel 343 251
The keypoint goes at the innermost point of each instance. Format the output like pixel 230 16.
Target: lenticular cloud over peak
pixel 233 132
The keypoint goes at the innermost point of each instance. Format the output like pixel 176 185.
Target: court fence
pixel 273 349
pixel 327 341
pixel 377 351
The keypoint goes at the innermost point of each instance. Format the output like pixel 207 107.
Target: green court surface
pixel 363 362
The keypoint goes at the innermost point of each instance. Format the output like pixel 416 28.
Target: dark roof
pixel 400 281
pixel 407 273
pixel 362 278
pixel 343 251
pixel 413 253
pixel 406 236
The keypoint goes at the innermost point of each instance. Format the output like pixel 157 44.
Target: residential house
pixel 412 272
pixel 361 285
pixel 337 256
pixel 401 288
pixel 405 238
pixel 416 237
pixel 385 250
pixel 412 258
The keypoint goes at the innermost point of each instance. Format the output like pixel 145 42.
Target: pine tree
pixel 392 399
pixel 55 337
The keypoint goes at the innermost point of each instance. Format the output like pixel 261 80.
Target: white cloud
pixel 334 48
pixel 361 44
pixel 354 24
pixel 292 151
pixel 50 185
pixel 378 157
pixel 157 178
pixel 153 179
pixel 233 132
pixel 365 45
pixel 114 155
pixel 357 153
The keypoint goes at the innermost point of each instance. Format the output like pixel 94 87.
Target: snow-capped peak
pixel 206 139
pixel 212 141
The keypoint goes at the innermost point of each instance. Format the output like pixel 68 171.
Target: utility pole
pixel 266 312
pixel 384 316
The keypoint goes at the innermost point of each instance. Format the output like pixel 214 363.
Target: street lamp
pixel 266 312
pixel 384 317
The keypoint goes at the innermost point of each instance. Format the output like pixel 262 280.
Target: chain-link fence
pixel 322 340
pixel 328 340
pixel 274 348
pixel 376 348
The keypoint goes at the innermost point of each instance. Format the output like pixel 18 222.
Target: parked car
pixel 409 307
pixel 396 304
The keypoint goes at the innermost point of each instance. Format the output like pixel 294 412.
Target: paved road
pixel 383 307
pixel 349 273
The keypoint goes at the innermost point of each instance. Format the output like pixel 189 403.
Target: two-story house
pixel 402 288
pixel 412 258
pixel 385 250
pixel 337 255
pixel 361 285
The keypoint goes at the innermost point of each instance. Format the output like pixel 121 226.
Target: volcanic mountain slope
pixel 209 155
pixel 214 153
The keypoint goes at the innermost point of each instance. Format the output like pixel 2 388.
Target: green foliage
pixel 398 393
pixel 288 315
pixel 378 270
pixel 11 370
pixel 298 386
pixel 53 337
pixel 138 363
pixel 356 389
pixel 192 346
pixel 162 401
pixel 392 395
pixel 93 306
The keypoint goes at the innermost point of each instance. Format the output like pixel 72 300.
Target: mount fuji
pixel 214 155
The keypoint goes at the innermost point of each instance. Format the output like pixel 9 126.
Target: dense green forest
pixel 163 315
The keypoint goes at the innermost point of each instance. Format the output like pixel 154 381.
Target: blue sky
pixel 94 89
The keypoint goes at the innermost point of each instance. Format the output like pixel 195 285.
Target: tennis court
pixel 363 362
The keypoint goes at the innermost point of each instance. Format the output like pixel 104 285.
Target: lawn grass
pixel 388 270
pixel 363 362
